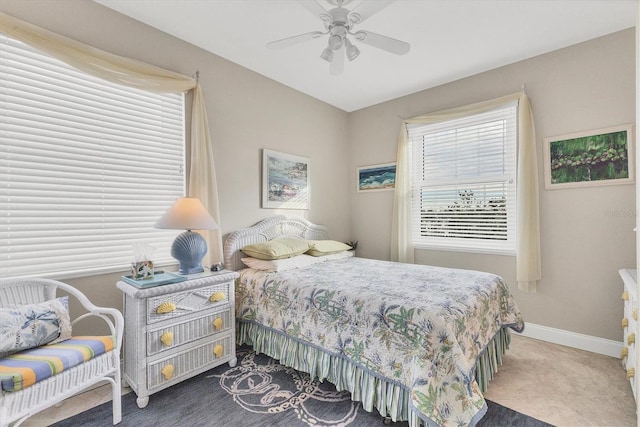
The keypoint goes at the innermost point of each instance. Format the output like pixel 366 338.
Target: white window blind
pixel 86 168
pixel 464 182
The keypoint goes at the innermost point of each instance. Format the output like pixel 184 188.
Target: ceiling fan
pixel 339 23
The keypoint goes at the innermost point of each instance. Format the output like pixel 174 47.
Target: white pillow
pixel 281 264
pixel 339 255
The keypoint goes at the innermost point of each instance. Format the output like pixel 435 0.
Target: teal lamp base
pixel 189 248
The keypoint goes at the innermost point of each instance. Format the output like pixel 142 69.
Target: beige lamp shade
pixel 187 213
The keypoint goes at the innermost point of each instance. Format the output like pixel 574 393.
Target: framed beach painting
pixel 377 177
pixel 285 181
pixel 591 158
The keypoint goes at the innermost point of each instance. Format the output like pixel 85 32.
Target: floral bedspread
pixel 416 325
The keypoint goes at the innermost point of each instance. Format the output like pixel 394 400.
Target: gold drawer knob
pixel 631 339
pixel 165 307
pixel 625 323
pixel 625 352
pixel 631 372
pixel 635 314
pixel 217 296
pixel 167 372
pixel 218 323
pixel 167 338
pixel 218 350
pixel 625 295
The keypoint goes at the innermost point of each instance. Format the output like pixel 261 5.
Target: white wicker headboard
pixel 268 229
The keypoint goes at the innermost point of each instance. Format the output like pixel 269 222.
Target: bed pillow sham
pixel 28 326
pixel 281 264
pixel 326 247
pixel 338 255
pixel 281 248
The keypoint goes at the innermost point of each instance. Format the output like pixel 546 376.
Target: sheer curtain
pixel 528 266
pixel 132 73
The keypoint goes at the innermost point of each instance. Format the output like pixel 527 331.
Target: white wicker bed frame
pixel 397 408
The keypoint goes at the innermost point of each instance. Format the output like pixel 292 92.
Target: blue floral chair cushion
pixel 28 326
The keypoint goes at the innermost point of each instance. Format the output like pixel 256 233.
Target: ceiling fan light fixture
pixel 352 51
pixel 327 54
pixel 339 25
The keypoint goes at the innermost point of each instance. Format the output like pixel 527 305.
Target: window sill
pixel 481 251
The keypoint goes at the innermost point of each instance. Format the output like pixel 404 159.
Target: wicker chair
pixel 16 406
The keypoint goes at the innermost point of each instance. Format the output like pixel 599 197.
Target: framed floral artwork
pixel 597 157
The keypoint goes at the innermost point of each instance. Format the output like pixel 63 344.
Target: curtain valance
pixel 136 74
pixel 114 68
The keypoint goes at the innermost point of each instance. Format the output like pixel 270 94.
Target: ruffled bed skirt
pixel 391 399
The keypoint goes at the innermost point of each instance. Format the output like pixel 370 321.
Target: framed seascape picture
pixel 377 177
pixel 598 157
pixel 285 181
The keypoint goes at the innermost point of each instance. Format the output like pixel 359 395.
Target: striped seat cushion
pixel 21 370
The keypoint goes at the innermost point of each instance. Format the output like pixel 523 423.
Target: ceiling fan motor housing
pixel 337 37
pixel 338 27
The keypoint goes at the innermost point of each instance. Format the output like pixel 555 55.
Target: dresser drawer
pixel 170 306
pixel 177 334
pixel 182 365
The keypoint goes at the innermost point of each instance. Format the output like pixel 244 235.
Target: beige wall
pixel 246 111
pixel 586 233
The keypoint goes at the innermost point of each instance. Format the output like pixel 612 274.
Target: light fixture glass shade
pixel 188 213
pixel 327 55
pixel 352 51
pixel 335 41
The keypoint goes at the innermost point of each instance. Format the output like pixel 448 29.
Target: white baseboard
pixel 573 339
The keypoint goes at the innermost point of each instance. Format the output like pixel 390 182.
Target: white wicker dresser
pixel 630 325
pixel 173 332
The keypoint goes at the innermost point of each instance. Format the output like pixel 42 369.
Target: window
pixel 463 181
pixel 86 168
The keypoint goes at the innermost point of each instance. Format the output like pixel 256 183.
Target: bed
pixel 414 342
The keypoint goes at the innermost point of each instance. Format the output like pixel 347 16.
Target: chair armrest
pixel 112 317
pixel 26 290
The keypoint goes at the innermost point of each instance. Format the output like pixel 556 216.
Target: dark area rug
pixel 258 392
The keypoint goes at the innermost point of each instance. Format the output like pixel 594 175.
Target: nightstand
pixel 176 331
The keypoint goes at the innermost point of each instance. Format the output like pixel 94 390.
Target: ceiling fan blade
pixel 383 42
pixel 290 41
pixel 337 65
pixel 366 9
pixel 313 7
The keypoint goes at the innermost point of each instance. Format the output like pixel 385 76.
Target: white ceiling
pixel 450 39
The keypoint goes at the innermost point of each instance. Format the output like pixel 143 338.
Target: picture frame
pixel 285 181
pixel 380 177
pixel 591 158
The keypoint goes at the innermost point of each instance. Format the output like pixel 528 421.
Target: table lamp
pixel 188 213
